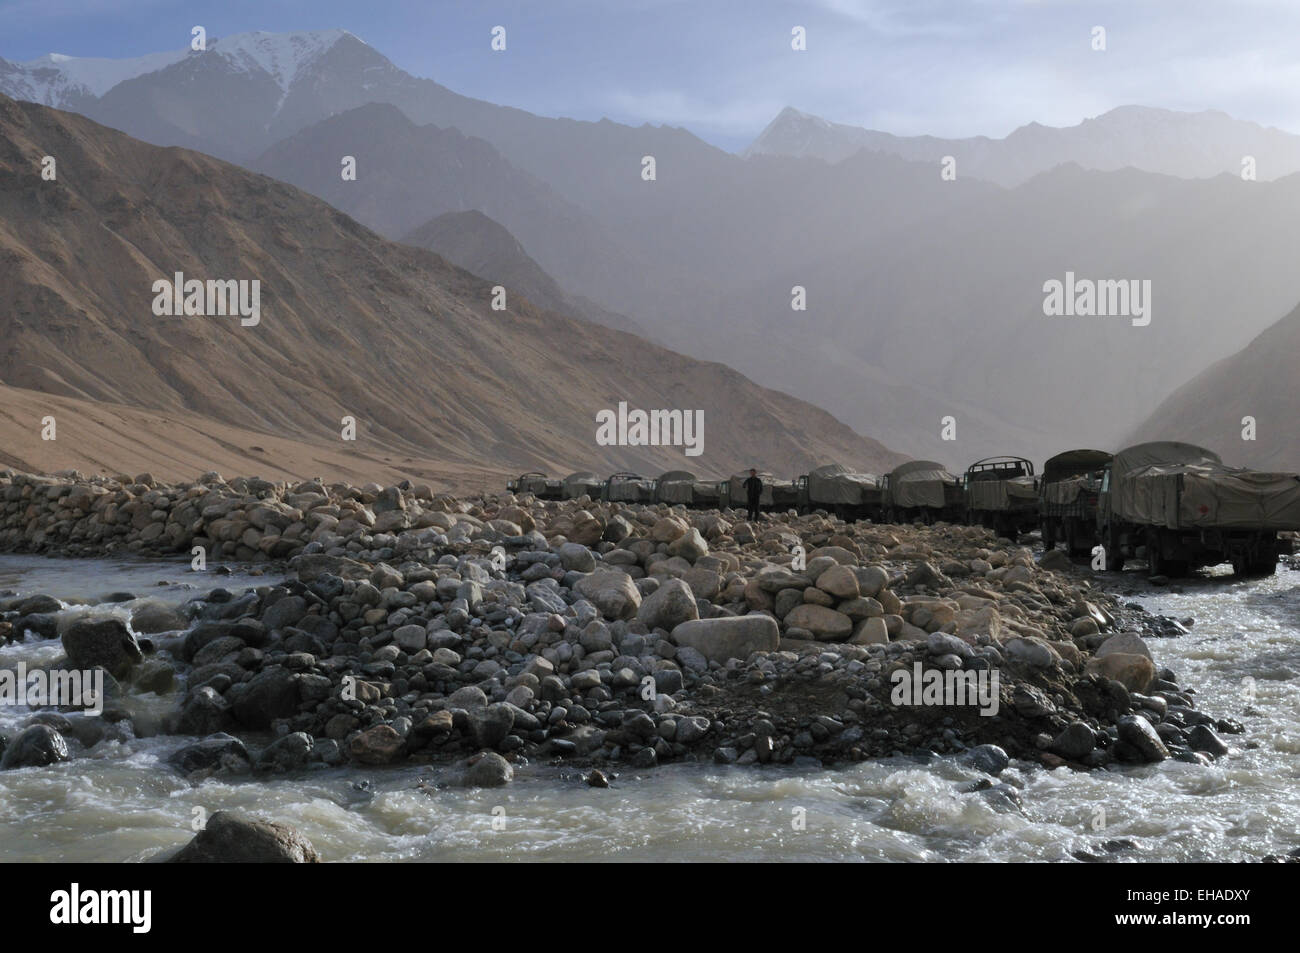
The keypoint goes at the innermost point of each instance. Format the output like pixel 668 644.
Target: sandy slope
pixel 111 439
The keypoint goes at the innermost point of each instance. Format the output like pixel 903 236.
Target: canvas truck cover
pixel 1073 463
pixel 1067 491
pixel 837 485
pixel 532 483
pixel 1002 494
pixel 920 483
pixel 580 483
pixel 676 486
pixel 1160 453
pixel 630 489
pixel 1189 496
pixel 705 492
pixel 740 498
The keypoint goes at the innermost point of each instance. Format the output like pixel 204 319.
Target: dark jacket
pixel 754 488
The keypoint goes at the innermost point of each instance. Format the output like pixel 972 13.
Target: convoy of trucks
pixel 1173 505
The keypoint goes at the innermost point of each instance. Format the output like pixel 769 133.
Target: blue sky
pixel 724 68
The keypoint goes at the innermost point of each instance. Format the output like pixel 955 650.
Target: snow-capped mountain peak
pixel 57 79
pixel 281 55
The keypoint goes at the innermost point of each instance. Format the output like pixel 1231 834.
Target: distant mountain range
pixel 351 325
pixel 924 296
pixel 1188 145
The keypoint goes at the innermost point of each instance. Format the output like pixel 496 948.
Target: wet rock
pixel 485 770
pixel 37 746
pixel 92 643
pixel 380 744
pixel 1076 742
pixel 990 759
pixel 289 753
pixel 1203 738
pixel 217 751
pixel 1138 734
pixel 237 839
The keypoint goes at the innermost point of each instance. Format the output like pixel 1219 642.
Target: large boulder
pixel 729 637
pixel 235 839
pixel 840 581
pixel 668 606
pixel 1134 672
pixel 826 624
pixel 1125 643
pixel 690 545
pixel 613 592
pixel 101 642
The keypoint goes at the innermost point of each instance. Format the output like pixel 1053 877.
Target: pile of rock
pixel 415 628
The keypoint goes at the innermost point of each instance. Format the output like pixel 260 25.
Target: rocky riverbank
pixel 416 627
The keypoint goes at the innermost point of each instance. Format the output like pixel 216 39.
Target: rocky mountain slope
pixel 484 247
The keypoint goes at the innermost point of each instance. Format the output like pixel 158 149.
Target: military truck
pixel 627 487
pixel 837 489
pixel 1067 499
pixel 922 489
pixel 582 483
pixel 674 487
pixel 1178 506
pixel 536 483
pixel 1002 494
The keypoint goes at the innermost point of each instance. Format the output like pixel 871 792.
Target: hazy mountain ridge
pixel 1259 381
pixel 1163 141
pixel 473 241
pixel 351 325
pixel 924 296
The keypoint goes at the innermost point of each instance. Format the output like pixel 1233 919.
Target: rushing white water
pixel 120 801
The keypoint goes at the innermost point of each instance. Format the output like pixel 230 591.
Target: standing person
pixel 753 491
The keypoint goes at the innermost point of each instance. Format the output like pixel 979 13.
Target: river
pixel 120 801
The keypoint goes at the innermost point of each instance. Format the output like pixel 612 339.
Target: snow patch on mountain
pixel 282 55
